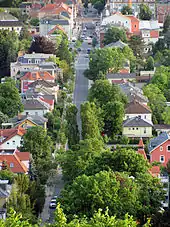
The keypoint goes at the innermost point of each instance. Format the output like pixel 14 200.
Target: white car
pixel 74 39
pixel 52 205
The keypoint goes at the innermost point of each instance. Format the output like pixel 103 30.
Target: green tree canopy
pixel 145 12
pixel 156 101
pixel 104 60
pixel 114 34
pixel 8 50
pixel 40 145
pixel 10 100
pixel 90 121
pixel 126 10
pixel 105 189
pixel 72 127
pixel 150 63
pixel 166 25
pixel 136 43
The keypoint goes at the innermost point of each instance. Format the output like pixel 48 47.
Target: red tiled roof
pixel 23 156
pixel 122 81
pixel 124 71
pixel 155 171
pixel 50 102
pixel 141 144
pixel 57 27
pixel 132 18
pixel 56 8
pixel 7 134
pixel 37 76
pixel 142 152
pixel 154 34
pixel 18 166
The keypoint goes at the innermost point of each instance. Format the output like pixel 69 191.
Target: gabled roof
pixel 148 24
pixel 38 120
pixel 34 104
pixel 157 141
pixel 37 76
pixel 56 8
pixel 132 18
pixel 57 27
pixel 23 156
pixel 42 83
pixel 6 134
pixel 136 122
pixel 18 166
pixel 119 44
pixel 136 107
pixel 162 127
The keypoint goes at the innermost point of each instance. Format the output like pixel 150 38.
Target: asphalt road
pixel 81 83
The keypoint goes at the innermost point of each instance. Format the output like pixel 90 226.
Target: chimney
pixel 19 116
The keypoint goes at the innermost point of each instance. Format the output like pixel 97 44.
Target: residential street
pixel 81 84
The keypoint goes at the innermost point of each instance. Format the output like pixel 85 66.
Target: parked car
pixel 52 205
pixel 88 51
pixel 79 49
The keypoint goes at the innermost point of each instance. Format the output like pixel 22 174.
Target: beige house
pixel 137 127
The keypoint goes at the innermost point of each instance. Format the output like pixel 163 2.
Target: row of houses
pixel 147 30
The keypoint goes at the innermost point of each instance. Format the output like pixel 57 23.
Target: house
pixel 5 189
pixel 19 69
pixel 49 25
pixel 159 128
pixel 129 22
pixel 155 171
pixel 25 7
pixel 120 76
pixel 118 44
pixel 9 22
pixel 32 76
pixel 11 138
pixel 26 121
pixel 159 148
pixel 137 127
pixel 137 109
pixel 35 107
pixel 132 92
pixel 163 10
pixel 17 162
pixel 117 5
pixel 43 88
pixel 149 31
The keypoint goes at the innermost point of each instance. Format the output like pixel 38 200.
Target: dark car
pixel 79 49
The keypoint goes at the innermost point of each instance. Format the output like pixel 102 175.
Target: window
pixel 145 116
pixel 27 113
pixel 36 113
pixel 129 128
pixel 136 128
pixel 135 25
pixel 11 165
pixel 144 130
pixel 162 158
pixel 168 148
pixel 29 61
pixel 161 148
pixel 13 142
pixel 133 128
pixel 127 117
pixel 7 143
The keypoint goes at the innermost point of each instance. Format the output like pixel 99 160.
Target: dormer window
pixel 11 165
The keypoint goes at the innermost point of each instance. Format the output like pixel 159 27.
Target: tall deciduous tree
pixel 137 45
pixel 113 118
pixel 126 10
pixel 114 34
pixel 103 60
pixel 41 44
pixel 8 50
pixel 10 100
pixel 89 193
pixel 145 12
pixel 40 145
pixel 150 63
pixel 72 127
pixel 166 25
pixel 90 122
pixel 156 101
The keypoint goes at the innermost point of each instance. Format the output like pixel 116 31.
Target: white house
pixel 11 138
pixel 137 109
pixel 9 22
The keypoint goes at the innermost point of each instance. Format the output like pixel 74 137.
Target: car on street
pixel 86 56
pixel 79 49
pixel 74 39
pixel 52 205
